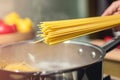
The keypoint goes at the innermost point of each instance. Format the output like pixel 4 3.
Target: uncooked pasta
pixel 62 30
pixel 19 67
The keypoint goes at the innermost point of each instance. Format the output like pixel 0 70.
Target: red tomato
pixel 108 38
pixel 1 21
pixel 14 27
pixel 118 47
pixel 4 29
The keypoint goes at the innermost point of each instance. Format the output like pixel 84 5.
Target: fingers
pixel 114 8
pixel 118 12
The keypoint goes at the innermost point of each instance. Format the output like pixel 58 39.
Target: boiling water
pixel 53 66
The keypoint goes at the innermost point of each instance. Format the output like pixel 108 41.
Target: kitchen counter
pixel 15 37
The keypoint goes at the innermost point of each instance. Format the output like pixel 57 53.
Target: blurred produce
pixel 5 28
pixel 11 18
pixel 23 25
pixel 14 28
pixel 108 38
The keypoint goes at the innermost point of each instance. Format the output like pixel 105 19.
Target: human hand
pixel 114 8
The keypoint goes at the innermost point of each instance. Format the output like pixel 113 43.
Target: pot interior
pixel 63 56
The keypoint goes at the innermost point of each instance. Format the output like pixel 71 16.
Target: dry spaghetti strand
pixel 58 31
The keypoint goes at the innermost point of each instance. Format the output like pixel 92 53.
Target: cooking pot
pixel 55 60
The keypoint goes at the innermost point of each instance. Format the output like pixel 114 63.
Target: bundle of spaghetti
pixel 58 31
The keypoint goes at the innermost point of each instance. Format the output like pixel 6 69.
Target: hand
pixel 114 8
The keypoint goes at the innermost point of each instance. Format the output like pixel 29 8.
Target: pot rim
pixel 45 73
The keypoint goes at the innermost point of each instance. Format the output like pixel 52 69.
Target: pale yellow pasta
pixel 58 31
pixel 19 67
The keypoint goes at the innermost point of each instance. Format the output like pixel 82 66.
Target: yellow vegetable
pixel 11 18
pixel 24 25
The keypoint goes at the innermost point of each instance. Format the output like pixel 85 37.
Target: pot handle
pixel 111 44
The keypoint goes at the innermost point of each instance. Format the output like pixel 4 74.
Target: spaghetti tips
pixel 58 31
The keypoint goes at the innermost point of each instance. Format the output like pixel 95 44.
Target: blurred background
pixel 47 10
